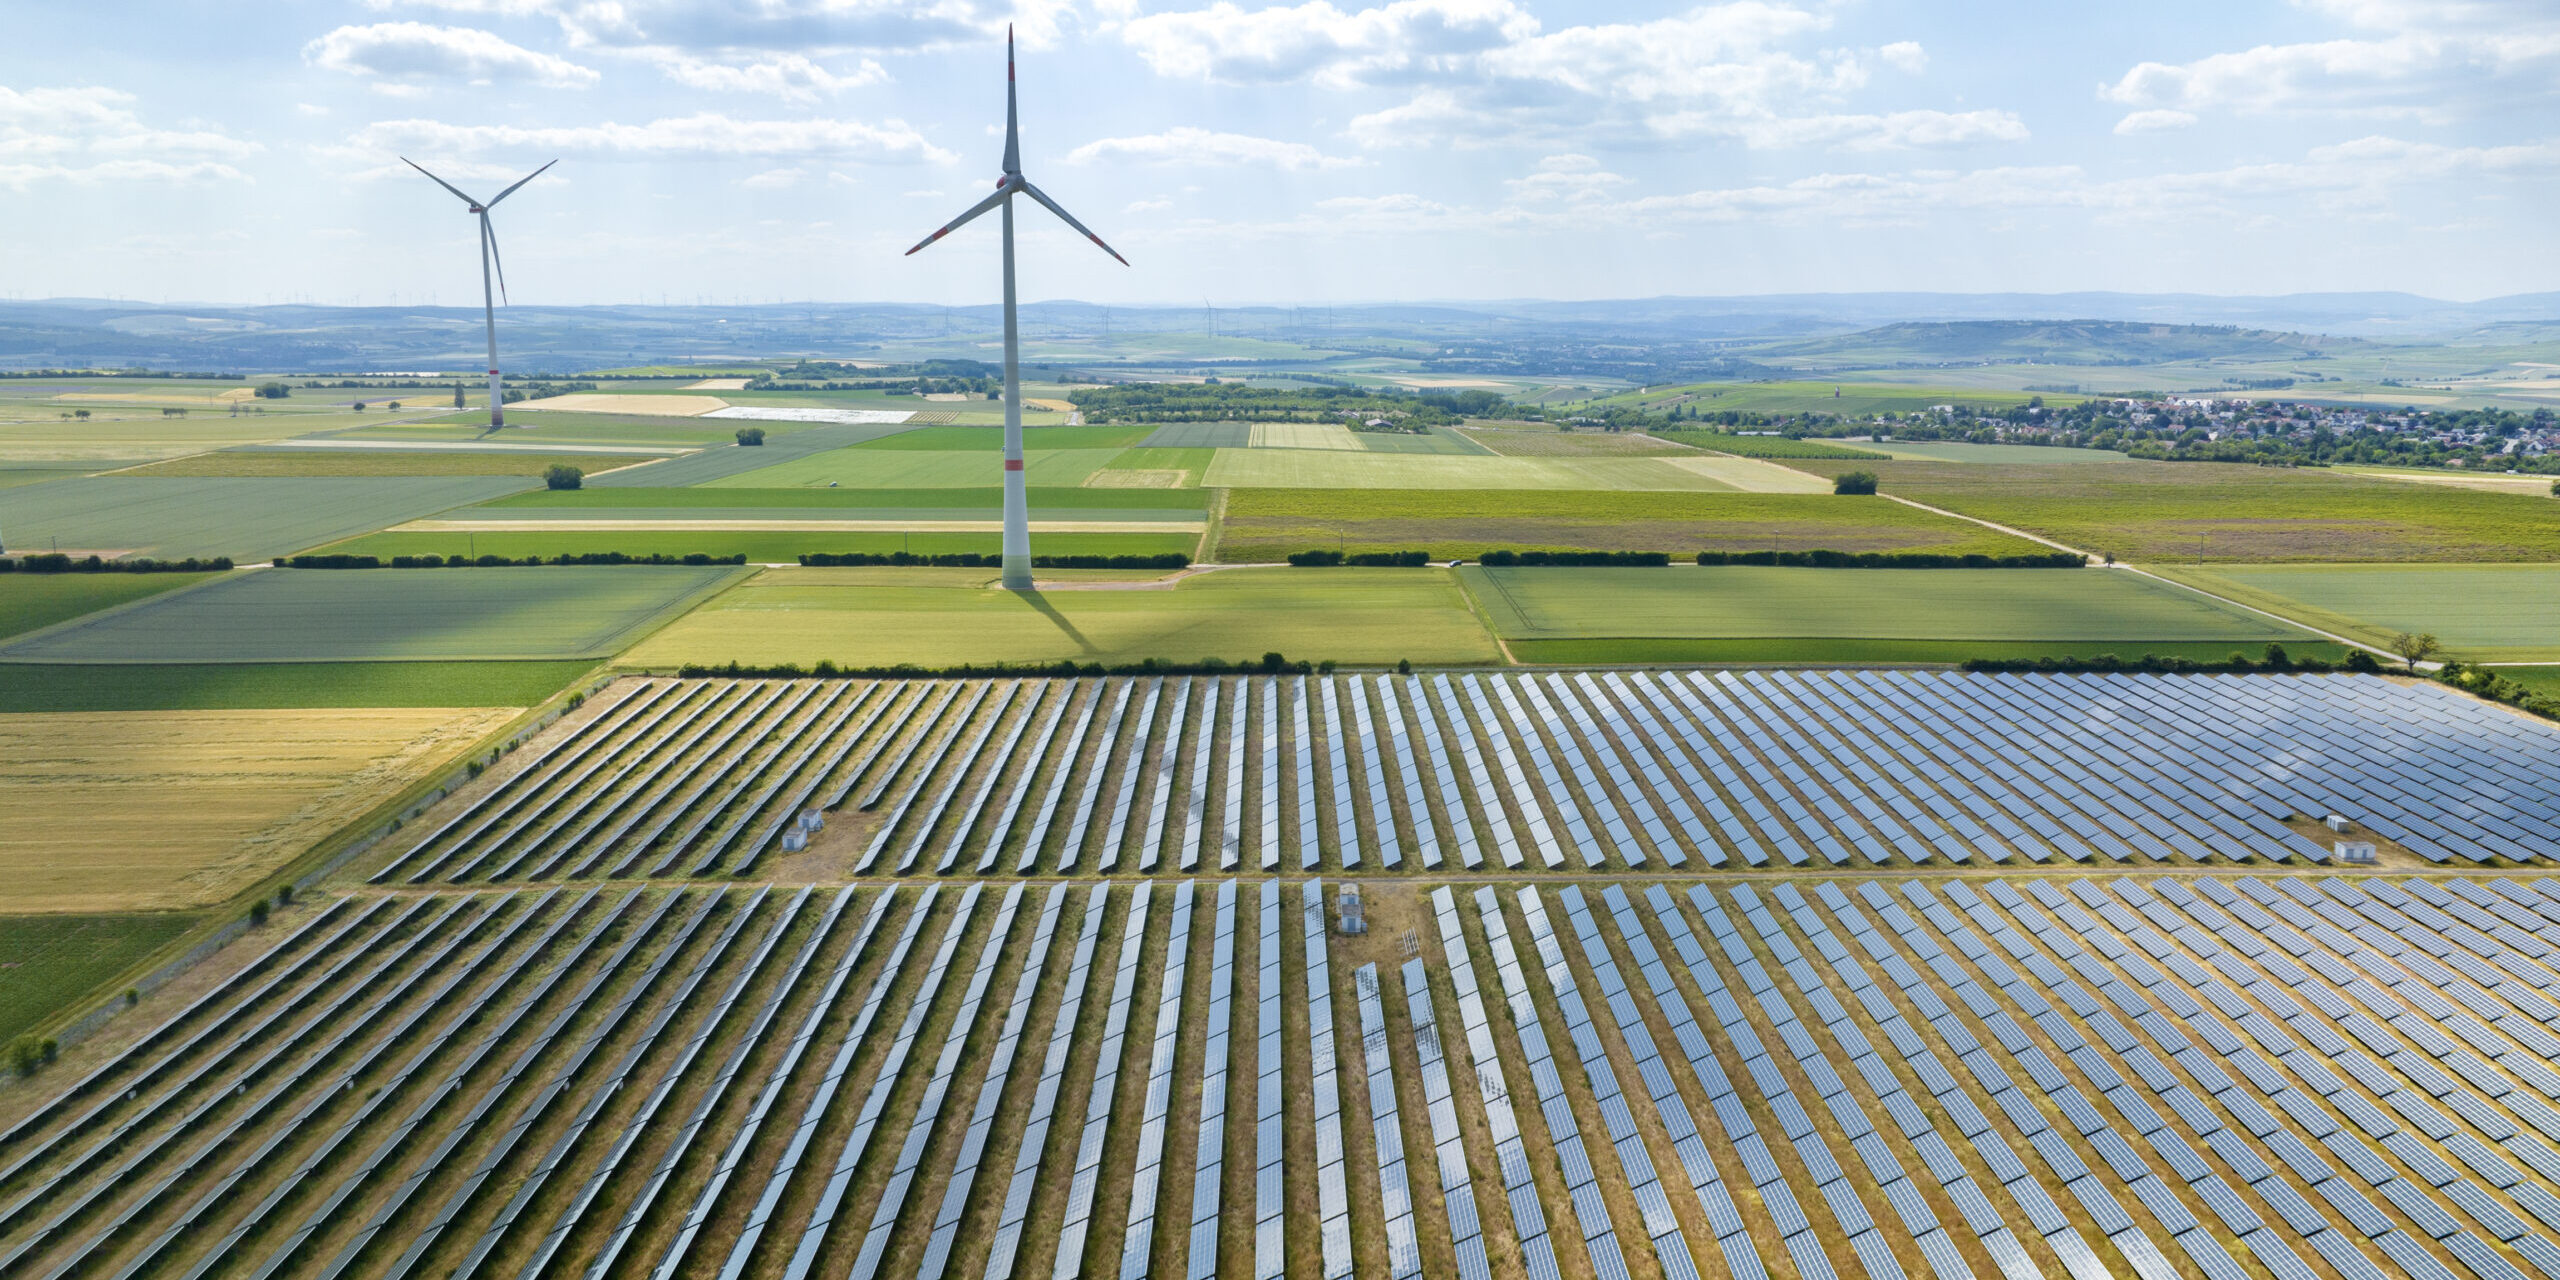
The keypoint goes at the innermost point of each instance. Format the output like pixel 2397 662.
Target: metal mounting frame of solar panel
pixel 2029 759
pixel 1395 1194
pixel 2204 813
pixel 1417 803
pixel 1449 1149
pixel 1333 1192
pixel 669 748
pixel 1772 768
pixel 778 772
pixel 1683 702
pixel 2155 818
pixel 914 790
pixel 1195 813
pixel 1656 714
pixel 1077 1218
pixel 1435 756
pixel 1660 1224
pixel 673 752
pixel 1209 1168
pixel 1382 813
pixel 812 778
pixel 1001 768
pixel 780 1073
pixel 389 1087
pixel 1033 1147
pixel 1269 1134
pixel 1268 844
pixel 2020 785
pixel 2049 1145
pixel 1767 710
pixel 1231 807
pixel 335 1021
pixel 999 1072
pixel 1303 771
pixel 950 790
pixel 536 769
pixel 568 784
pixel 492 1034
pixel 1138 1240
pixel 1949 799
pixel 1592 709
pixel 777 718
pixel 883 1230
pixel 1947 763
pixel 1496 821
pixel 1097 777
pixel 741 770
pixel 1590 1216
pixel 1491 727
pixel 1177 728
pixel 1577 825
pixel 1115 829
pixel 1044 748
pixel 1511 1153
pixel 1346 822
pixel 857 1141
pixel 712 761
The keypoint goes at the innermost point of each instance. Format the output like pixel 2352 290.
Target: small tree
pixel 29 1054
pixel 1858 482
pixel 273 391
pixel 2416 649
pixel 561 475
pixel 257 913
pixel 81 414
pixel 457 395
pixel 751 436
pixel 359 406
pixel 394 406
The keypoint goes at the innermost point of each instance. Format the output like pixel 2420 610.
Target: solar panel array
pixel 1633 770
pixel 2220 1076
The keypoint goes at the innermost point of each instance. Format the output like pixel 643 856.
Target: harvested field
pixel 1266 524
pixel 2209 511
pixel 1341 469
pixel 1572 444
pixel 308 615
pixel 666 406
pixel 384 462
pixel 232 795
pixel 1753 475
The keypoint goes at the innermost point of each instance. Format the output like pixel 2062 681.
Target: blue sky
pixel 754 150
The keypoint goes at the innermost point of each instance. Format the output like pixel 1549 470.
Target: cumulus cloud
pixel 803 26
pixel 789 75
pixel 2431 60
pixel 1188 145
pixel 1570 178
pixel 1488 72
pixel 2156 120
pixel 774 180
pixel 707 135
pixel 93 134
pixel 416 53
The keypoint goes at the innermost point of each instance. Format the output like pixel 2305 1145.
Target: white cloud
pixel 1187 145
pixel 2157 120
pixel 92 134
pixel 788 76
pixel 706 135
pixel 1147 206
pixel 774 180
pixel 2430 61
pixel 310 109
pixel 1571 177
pixel 1485 72
pixel 417 52
pixel 802 26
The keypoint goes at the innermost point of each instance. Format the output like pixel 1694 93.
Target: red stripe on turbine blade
pixel 1013 464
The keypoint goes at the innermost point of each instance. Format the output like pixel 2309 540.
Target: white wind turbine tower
pixel 1017 513
pixel 488 255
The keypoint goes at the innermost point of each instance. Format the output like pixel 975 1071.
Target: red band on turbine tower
pixel 1013 464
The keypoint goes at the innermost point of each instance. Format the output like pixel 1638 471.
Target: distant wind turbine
pixel 488 257
pixel 1017 511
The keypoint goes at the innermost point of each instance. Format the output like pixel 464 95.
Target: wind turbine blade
pixel 489 235
pixel 493 200
pixel 1012 122
pixel 440 182
pixel 974 210
pixel 1070 219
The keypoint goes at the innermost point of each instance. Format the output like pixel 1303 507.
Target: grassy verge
pixel 50 963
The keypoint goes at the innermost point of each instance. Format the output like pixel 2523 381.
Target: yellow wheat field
pixel 143 810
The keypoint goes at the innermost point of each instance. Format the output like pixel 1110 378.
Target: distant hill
pixel 2070 342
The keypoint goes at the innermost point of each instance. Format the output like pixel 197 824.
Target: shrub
pixel 29 1054
pixel 273 391
pixel 257 913
pixel 132 996
pixel 1822 559
pixel 1858 482
pixel 976 560
pixel 751 437
pixel 1371 559
pixel 561 475
pixel 56 562
pixel 1532 559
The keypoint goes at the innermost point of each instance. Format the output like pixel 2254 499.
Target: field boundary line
pixel 2324 634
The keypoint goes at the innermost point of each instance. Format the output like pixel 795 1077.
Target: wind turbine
pixel 1017 511
pixel 488 256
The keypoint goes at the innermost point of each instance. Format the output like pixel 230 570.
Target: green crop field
pixel 2546 680
pixel 870 617
pixel 1200 435
pixel 1851 398
pixel 317 615
pixel 921 469
pixel 1332 469
pixel 2482 612
pixel 48 964
pixel 2209 511
pixel 383 462
pixel 1773 446
pixel 169 686
pixel 32 600
pixel 118 441
pixel 1958 451
pixel 989 441
pixel 246 518
pixel 530 426
pixel 2119 612
pixel 759 547
pixel 1266 524
pixel 853 502
pixel 1192 463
